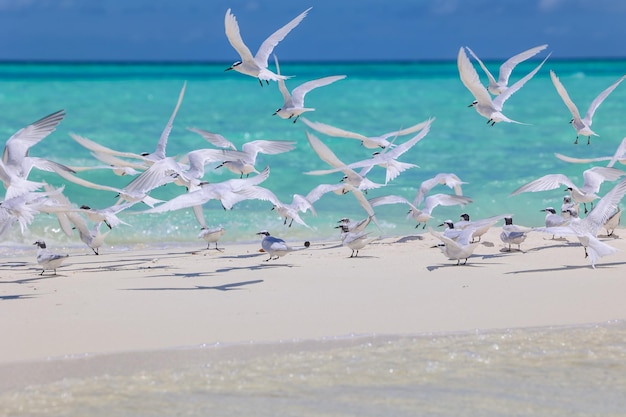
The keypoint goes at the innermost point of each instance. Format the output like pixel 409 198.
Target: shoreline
pixel 17 375
pixel 148 299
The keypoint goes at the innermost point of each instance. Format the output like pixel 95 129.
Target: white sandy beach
pixel 148 299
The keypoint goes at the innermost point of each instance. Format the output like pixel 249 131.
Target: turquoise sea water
pixel 126 106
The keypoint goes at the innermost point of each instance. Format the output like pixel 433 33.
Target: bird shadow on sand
pixel 183 275
pixel 105 266
pixel 326 246
pixel 454 265
pixel 563 244
pixel 224 287
pixel 15 264
pixel 246 256
pixel 47 275
pixel 563 268
pixel 264 265
pixel 16 297
pixel 611 236
pixel 359 256
pixel 409 238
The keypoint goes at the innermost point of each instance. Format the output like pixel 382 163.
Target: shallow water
pixel 126 106
pixel 573 371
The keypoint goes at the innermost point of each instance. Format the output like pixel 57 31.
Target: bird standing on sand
pixel 47 259
pixel 353 240
pixel 553 219
pixel 275 246
pixel 459 248
pixel 513 234
pixel 612 222
pixel 212 235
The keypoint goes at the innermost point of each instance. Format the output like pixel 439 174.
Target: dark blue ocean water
pixel 126 106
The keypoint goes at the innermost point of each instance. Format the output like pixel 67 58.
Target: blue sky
pixel 193 30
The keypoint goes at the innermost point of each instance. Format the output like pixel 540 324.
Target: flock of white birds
pixel 24 199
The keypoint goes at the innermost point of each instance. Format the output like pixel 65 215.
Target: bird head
pixel 233 66
pixel 447 223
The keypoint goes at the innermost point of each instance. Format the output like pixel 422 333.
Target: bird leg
pixel 208 246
